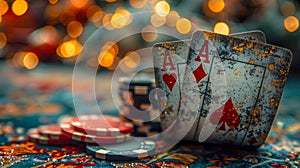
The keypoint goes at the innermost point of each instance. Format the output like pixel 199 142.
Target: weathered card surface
pixel 234 87
pixel 170 63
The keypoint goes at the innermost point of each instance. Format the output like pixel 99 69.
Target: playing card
pixel 234 87
pixel 170 63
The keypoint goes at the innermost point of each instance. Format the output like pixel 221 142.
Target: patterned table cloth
pixel 43 96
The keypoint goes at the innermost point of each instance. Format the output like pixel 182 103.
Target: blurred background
pixel 54 31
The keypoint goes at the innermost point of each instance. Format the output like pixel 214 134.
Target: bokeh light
pixel 158 21
pixel 149 33
pixel 106 59
pixel 110 1
pixel 69 49
pixel 221 28
pixel 162 8
pixel 52 1
pixel 291 23
pixel 106 21
pixel 74 29
pixel 18 58
pixel 58 25
pixel 125 13
pixel 287 8
pixel 19 7
pixel 137 3
pixel 95 14
pixel 132 59
pixel 172 18
pixel 183 26
pixel 79 3
pixel 91 12
pixel 30 60
pixel 3 40
pixel 118 21
pixel 111 47
pixel 3 7
pixel 216 5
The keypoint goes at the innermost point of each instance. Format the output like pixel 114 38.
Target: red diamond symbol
pixel 199 73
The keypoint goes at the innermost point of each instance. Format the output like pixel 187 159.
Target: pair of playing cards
pixel 230 86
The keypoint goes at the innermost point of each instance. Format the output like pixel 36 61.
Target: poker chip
pixel 137 81
pixel 68 131
pixel 101 125
pixel 133 149
pixel 136 92
pixel 34 136
pixel 51 131
pixel 140 128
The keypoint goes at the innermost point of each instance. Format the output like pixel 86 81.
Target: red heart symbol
pixel 170 80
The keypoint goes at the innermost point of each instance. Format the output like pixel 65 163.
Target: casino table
pixel 44 96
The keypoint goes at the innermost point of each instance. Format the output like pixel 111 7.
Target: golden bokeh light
pixel 74 29
pixel 162 8
pixel 3 7
pixel 158 21
pixel 183 26
pixel 132 59
pixel 3 40
pixel 172 18
pixel 287 8
pixel 18 58
pixel 125 13
pixel 52 1
pixel 115 64
pixel 110 0
pixel 69 49
pixel 216 5
pixel 221 28
pixel 30 60
pixel 95 14
pixel 149 33
pixel 79 3
pixel 118 21
pixel 106 59
pixel 19 7
pixel 291 23
pixel 106 21
pixel 137 3
pixel 111 47
pixel 96 19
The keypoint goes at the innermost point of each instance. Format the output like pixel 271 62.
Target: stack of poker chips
pixel 95 131
pixel 139 105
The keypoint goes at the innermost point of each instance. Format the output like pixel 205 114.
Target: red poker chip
pixel 101 125
pixel 52 132
pixel 34 136
pixel 67 130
